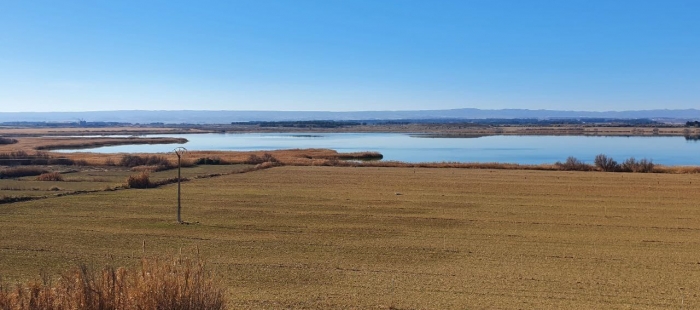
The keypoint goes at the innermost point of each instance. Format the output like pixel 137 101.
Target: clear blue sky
pixel 349 55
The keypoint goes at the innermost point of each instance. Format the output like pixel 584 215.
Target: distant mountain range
pixel 225 117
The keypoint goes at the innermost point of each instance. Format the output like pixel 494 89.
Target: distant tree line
pixel 608 164
pixel 65 124
pixel 302 124
pixel 458 121
pixel 527 121
pixel 692 124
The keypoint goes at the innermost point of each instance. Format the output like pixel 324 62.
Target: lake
pixel 411 148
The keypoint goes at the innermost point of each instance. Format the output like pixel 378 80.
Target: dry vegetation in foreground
pixel 379 238
pixel 178 284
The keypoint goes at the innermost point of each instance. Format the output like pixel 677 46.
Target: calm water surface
pixel 408 148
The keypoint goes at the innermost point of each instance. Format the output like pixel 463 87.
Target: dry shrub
pixel 20 172
pixel 50 176
pixel 135 160
pixel 181 284
pixel 573 164
pixel 360 156
pixel 209 161
pixel 265 158
pixel 61 161
pixel 140 180
pixel 4 140
pixel 605 163
pixel 632 165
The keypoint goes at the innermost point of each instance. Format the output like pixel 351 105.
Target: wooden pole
pixel 179 152
pixel 179 207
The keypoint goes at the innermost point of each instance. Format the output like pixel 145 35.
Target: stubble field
pixel 332 237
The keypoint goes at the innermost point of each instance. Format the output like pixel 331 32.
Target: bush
pixel 606 163
pixel 61 161
pixel 4 140
pixel 266 158
pixel 135 160
pixel 131 161
pixel 573 164
pixel 209 161
pixel 632 165
pixel 20 172
pixel 182 284
pixel 141 180
pixel 50 176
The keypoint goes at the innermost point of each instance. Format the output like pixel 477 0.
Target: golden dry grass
pixel 181 284
pixel 329 237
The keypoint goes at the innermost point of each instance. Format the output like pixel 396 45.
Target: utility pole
pixel 179 151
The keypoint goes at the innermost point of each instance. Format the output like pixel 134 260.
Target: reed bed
pixel 83 143
pixel 181 284
pixel 18 172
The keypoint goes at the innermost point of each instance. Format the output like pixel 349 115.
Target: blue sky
pixel 348 55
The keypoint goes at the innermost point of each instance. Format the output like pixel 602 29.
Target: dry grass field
pixel 403 238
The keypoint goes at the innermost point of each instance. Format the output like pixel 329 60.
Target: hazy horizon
pixel 347 111
pixel 349 55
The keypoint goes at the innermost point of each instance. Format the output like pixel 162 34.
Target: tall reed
pixel 181 284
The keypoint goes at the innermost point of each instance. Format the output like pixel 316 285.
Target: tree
pixel 605 163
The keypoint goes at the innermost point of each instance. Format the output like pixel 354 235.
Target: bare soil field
pixel 401 238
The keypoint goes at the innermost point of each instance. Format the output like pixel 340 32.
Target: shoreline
pixel 32 140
